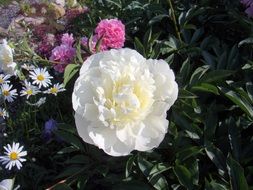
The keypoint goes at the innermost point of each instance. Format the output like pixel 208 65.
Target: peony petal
pixel 103 137
pixel 82 125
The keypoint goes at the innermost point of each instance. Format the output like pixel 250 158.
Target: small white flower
pixel 38 103
pixel 55 89
pixel 13 156
pixel 43 10
pixel 7 93
pixel 6 59
pixel 121 99
pixel 60 2
pixel 29 90
pixel 33 10
pixel 7 184
pixel 3 113
pixel 28 67
pixel 4 78
pixel 40 77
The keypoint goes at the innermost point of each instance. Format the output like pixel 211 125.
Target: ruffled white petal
pixel 121 100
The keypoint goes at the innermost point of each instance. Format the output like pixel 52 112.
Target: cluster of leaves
pixel 209 141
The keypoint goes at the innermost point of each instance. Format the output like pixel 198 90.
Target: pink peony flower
pixel 67 39
pixel 112 32
pixel 62 54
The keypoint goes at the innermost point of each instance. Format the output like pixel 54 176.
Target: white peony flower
pixel 120 101
pixel 6 59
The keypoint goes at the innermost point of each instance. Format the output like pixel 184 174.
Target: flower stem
pixel 174 20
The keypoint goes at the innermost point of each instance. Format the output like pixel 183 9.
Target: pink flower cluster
pixel 46 45
pixel 64 53
pixel 249 5
pixel 111 32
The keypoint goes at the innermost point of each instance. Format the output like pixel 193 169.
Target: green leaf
pixel 185 94
pixel 139 46
pixel 129 166
pixel 184 176
pixel 67 150
pixel 234 137
pixel 157 169
pixel 69 72
pixel 157 18
pixel 197 35
pixel 213 185
pixel 240 101
pixel 192 130
pixel 217 157
pixel 189 152
pixel 216 75
pixel 155 178
pixel 70 138
pixel 236 174
pixel 209 59
pixel 78 52
pixel 78 159
pixel 69 171
pixel 62 186
pixel 206 87
pixel 197 74
pixel 133 185
pixel 211 123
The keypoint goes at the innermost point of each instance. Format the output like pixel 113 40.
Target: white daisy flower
pixel 40 77
pixel 4 78
pixel 55 89
pixel 13 156
pixel 8 94
pixel 29 90
pixel 3 113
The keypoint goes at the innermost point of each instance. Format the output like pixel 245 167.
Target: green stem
pixel 174 20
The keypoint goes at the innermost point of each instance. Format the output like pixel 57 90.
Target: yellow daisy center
pixel 6 93
pixel 1 81
pixel 13 156
pixel 29 92
pixel 53 90
pixel 1 114
pixel 40 77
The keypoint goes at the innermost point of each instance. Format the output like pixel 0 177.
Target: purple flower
pixel 247 2
pixel 249 11
pixel 67 39
pixel 249 7
pixel 64 55
pixel 49 128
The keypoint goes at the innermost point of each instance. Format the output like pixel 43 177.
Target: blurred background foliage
pixel 209 144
